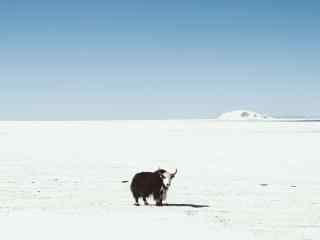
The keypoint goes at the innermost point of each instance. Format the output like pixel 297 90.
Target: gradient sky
pixel 134 59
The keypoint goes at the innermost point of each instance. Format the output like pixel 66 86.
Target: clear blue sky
pixel 139 59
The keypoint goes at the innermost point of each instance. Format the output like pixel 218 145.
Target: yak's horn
pixel 175 172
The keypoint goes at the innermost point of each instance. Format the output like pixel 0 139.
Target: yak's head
pixel 166 176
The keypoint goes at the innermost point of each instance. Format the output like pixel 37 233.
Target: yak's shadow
pixel 185 205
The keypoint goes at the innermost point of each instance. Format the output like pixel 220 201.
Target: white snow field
pixel 235 180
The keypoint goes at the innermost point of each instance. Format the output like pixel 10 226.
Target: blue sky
pixel 64 60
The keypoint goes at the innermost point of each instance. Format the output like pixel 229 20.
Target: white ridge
pixel 243 115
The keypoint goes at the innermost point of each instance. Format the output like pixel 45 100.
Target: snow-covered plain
pixel 236 180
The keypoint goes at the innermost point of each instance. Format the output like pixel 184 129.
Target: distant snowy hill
pixel 243 115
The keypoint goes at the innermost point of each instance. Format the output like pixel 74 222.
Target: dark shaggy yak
pixel 156 184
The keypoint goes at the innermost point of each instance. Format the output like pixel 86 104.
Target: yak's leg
pixel 164 195
pixel 136 202
pixel 145 201
pixel 158 198
pixel 136 199
pixel 159 202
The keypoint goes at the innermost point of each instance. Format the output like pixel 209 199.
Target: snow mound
pixel 243 115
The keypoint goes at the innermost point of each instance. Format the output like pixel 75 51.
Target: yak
pixel 155 184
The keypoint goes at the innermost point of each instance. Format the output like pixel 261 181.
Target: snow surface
pixel 236 180
pixel 243 115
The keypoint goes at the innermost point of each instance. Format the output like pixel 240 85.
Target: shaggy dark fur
pixel 146 184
